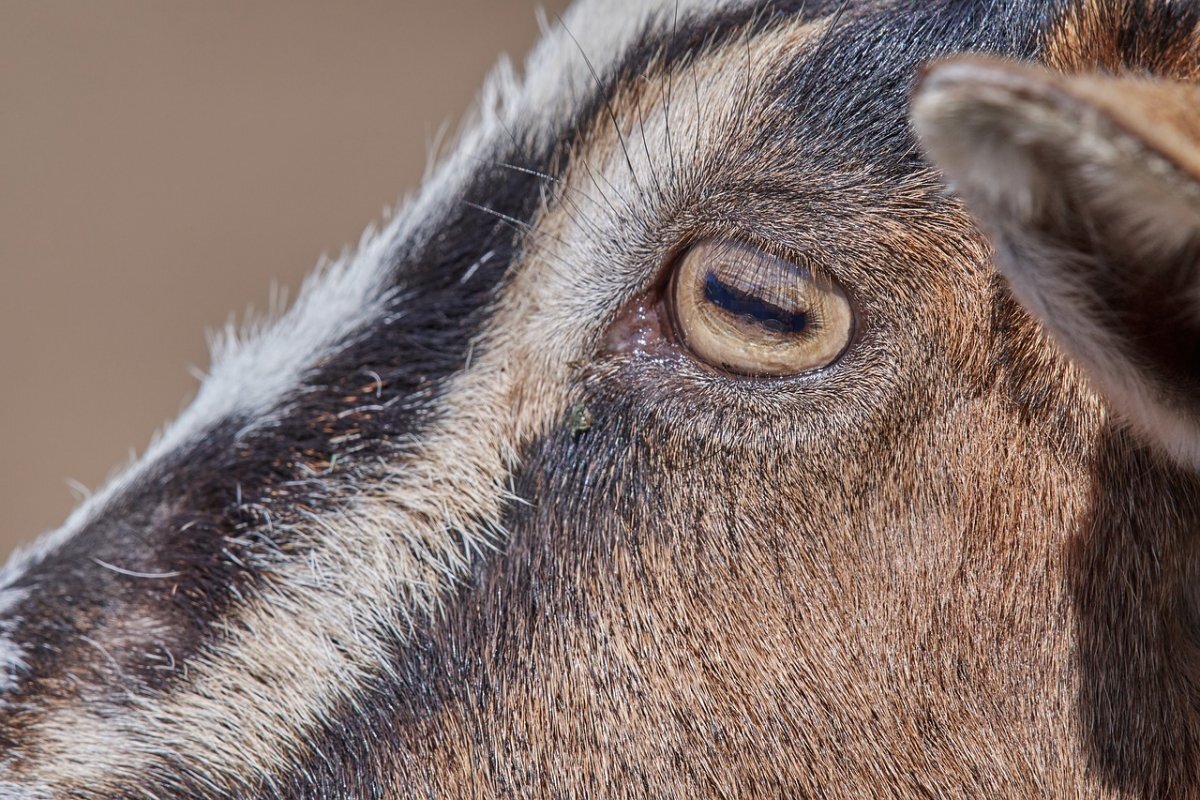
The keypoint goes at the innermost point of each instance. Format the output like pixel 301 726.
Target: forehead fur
pixel 1148 36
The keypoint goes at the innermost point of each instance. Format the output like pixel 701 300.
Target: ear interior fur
pixel 1089 188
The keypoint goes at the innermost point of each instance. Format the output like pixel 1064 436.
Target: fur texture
pixel 380 558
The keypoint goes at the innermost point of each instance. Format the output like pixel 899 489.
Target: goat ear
pixel 1089 188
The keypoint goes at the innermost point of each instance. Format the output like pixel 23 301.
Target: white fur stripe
pixel 251 374
pixel 395 552
pixel 12 655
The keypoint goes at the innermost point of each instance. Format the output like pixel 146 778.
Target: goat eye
pixel 747 312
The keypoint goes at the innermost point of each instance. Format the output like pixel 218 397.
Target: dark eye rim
pixel 664 287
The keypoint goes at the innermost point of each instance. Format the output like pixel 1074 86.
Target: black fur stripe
pixel 212 521
pixel 856 77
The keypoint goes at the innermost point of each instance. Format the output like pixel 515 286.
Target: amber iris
pixel 748 312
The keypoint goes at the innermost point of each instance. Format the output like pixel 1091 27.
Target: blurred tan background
pixel 163 164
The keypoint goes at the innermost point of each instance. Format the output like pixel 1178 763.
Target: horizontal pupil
pixel 743 304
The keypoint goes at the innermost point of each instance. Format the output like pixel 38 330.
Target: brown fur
pixel 1087 185
pixel 1122 38
pixel 960 562
pixel 950 634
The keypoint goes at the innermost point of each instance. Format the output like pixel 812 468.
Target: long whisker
pixel 670 91
pixel 612 114
pixel 646 146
